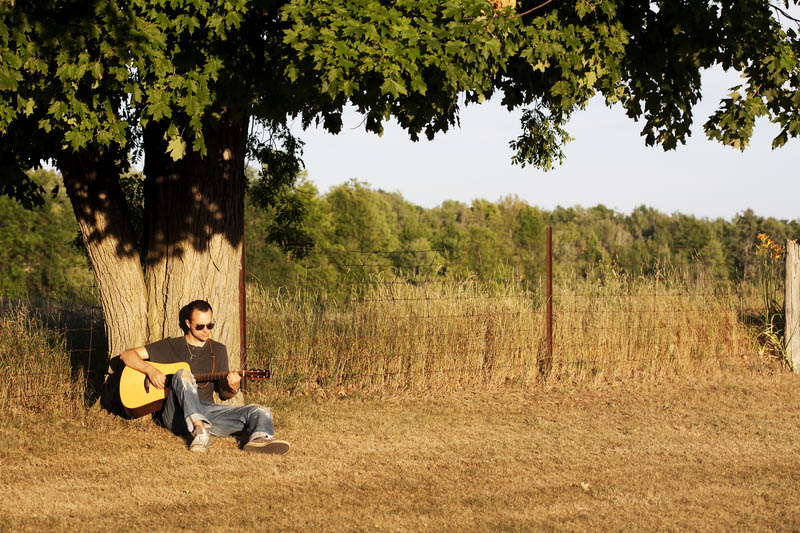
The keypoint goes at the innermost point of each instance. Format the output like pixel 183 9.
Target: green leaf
pixel 176 148
pixel 27 106
pixel 9 79
pixel 394 87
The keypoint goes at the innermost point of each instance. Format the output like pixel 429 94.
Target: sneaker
pixel 267 445
pixel 201 441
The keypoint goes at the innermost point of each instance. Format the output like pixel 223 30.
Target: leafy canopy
pixel 90 75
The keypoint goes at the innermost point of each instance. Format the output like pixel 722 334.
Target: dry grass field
pixel 683 454
pixel 457 334
pixel 420 407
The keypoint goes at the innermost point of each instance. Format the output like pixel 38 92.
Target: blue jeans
pixel 183 407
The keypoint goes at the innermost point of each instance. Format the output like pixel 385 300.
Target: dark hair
pixel 186 312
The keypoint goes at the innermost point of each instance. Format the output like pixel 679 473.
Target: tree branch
pixel 784 13
pixel 531 10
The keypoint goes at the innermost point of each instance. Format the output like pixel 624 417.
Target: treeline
pixel 39 253
pixel 354 231
pixel 357 230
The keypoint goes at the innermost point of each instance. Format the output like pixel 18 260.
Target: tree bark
pixel 92 183
pixel 194 211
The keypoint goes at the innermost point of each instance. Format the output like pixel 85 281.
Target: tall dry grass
pixel 387 336
pixel 443 335
pixel 395 336
pixel 656 326
pixel 36 373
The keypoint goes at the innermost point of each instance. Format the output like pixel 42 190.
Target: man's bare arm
pixel 136 358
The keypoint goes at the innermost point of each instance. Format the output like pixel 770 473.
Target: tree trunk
pixel 194 211
pixel 92 183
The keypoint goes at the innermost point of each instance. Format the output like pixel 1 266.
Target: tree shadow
pixel 83 329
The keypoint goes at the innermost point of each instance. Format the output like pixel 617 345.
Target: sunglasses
pixel 201 327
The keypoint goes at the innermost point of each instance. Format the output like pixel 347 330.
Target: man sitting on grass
pixel 189 407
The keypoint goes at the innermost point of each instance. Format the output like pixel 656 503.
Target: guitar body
pixel 138 395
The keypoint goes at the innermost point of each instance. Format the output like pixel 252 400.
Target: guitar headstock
pixel 257 374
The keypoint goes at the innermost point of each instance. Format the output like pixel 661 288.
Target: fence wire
pixel 382 321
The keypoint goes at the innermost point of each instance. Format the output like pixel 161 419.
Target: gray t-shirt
pixel 176 350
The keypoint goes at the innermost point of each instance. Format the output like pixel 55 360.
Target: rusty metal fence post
pixel 546 363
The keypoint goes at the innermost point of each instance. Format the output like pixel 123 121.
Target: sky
pixel 608 163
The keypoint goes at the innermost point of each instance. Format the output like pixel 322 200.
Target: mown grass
pixel 719 453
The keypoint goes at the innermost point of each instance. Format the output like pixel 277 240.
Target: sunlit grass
pixel 446 335
pixel 397 336
pixel 493 445
pixel 671 454
pixel 651 326
pixel 389 336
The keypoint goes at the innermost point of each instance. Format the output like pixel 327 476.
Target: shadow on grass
pixel 768 327
pixel 83 329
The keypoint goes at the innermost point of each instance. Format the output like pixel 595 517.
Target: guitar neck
pixel 213 376
pixel 172 368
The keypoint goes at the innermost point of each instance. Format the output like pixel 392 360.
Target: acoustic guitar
pixel 140 397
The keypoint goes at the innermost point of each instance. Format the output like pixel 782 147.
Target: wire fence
pixel 424 325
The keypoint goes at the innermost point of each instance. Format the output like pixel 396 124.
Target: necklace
pixel 192 349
